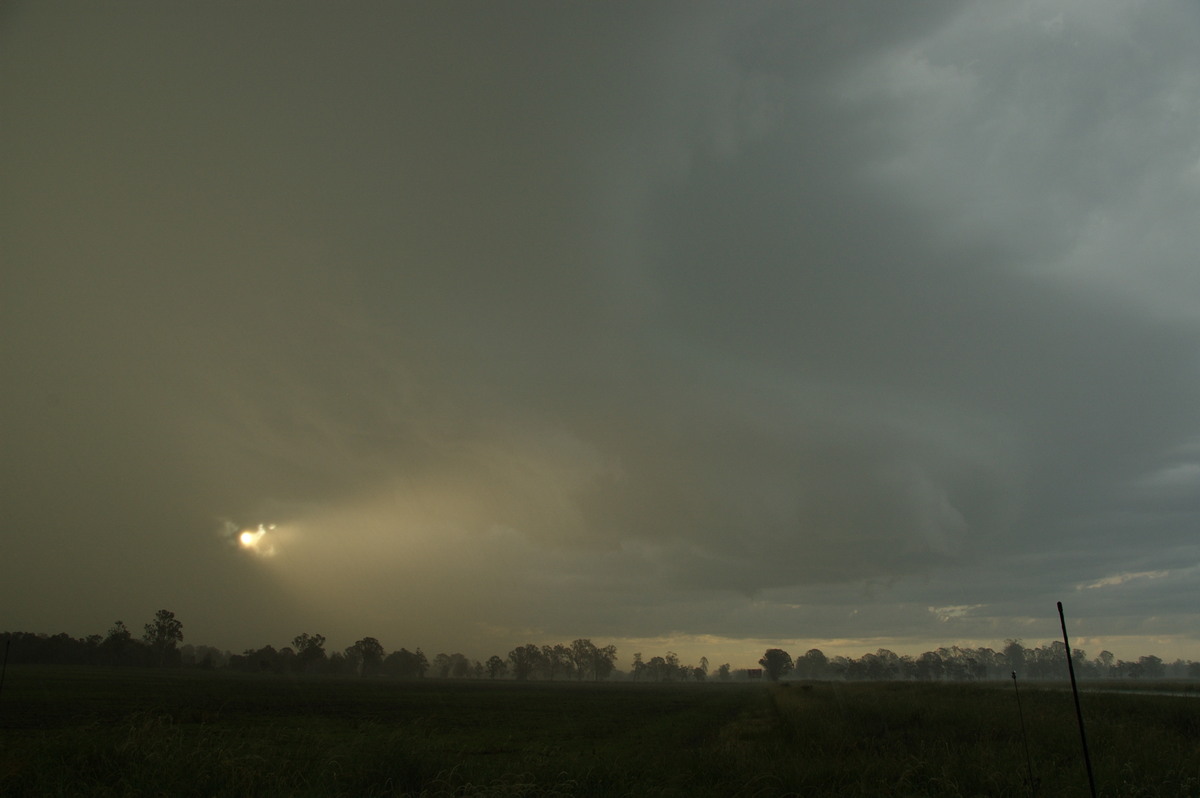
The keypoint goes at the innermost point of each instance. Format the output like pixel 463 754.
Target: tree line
pixel 159 645
pixel 955 663
pixel 579 660
pixel 669 669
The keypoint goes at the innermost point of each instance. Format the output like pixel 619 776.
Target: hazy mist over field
pixel 691 326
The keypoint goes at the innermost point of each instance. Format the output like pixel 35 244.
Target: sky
pixel 701 327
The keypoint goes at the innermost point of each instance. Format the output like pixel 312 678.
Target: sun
pixel 253 539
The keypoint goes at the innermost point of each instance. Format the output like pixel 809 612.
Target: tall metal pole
pixel 1087 760
pixel 1024 739
pixel 4 667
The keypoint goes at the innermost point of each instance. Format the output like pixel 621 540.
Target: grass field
pixel 95 732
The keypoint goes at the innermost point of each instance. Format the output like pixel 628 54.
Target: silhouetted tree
pixel 557 659
pixel 406 664
pixel 456 665
pixel 368 653
pixel 262 660
pixel 496 666
pixel 880 666
pixel 525 660
pixel 670 667
pixel 310 652
pixel 605 662
pixel 162 635
pixel 1151 667
pixel 592 660
pixel 340 664
pixel 117 645
pixel 776 663
pixel 205 657
pixel 813 664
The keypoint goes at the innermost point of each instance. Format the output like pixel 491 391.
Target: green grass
pixel 95 732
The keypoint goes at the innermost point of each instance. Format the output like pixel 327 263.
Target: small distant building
pixel 754 673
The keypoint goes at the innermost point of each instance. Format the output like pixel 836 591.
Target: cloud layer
pixel 542 321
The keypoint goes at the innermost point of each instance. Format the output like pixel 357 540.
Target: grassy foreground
pixel 95 732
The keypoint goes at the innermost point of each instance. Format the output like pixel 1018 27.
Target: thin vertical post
pixel 1087 760
pixel 1024 738
pixel 4 667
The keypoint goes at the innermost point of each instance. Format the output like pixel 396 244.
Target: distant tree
pixel 118 631
pixel 989 664
pixel 406 664
pixel 368 653
pixel 723 672
pixel 1151 667
pixel 604 662
pixel 954 662
pixel 1047 661
pixel 270 659
pixel 163 634
pixel 496 667
pixel 310 652
pixel 638 668
pixel 262 660
pixel 1083 668
pixel 592 660
pixel 776 663
pixel 813 664
pixel 557 659
pixel 422 663
pixel 205 657
pixel 883 665
pixel 456 665
pixel 116 644
pixel 347 662
pixel 392 663
pixel 582 654
pixel 59 649
pixel 928 666
pixel 525 660
pixel 340 664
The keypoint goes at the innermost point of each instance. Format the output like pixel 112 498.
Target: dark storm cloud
pixel 539 320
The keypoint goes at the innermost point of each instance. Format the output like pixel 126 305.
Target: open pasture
pixel 95 732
